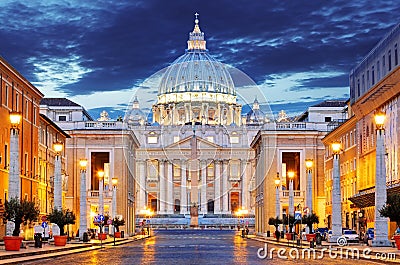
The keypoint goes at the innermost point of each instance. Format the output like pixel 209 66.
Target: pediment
pixel 186 144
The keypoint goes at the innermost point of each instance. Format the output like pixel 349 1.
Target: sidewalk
pixel 374 253
pixel 31 253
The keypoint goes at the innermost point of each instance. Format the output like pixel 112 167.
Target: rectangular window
pixel 6 96
pixel 373 75
pixel 62 118
pixel 383 65
pixel 5 156
pixel 378 71
pixel 34 115
pixel 368 84
pixel 26 164
pixel 26 109
pixel 358 87
pixel 16 102
pixel 177 173
pixel 389 60
pixel 152 139
pixel 34 173
pixel 234 170
pixel 234 139
pixel 363 83
pixel 328 119
pixel 210 138
pixel 153 169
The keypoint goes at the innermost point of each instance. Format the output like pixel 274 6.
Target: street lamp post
pixel 336 195
pixel 82 203
pixel 291 193
pixel 309 165
pixel 14 183
pixel 381 223
pixel 100 174
pixel 150 214
pixel 147 213
pixel 277 199
pixel 114 182
pixel 241 213
pixel 58 147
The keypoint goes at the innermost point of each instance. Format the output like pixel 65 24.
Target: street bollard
pixel 38 240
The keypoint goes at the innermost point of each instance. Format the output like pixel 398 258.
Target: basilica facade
pixel 196 150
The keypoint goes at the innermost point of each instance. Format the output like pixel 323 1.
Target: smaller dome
pixel 135 116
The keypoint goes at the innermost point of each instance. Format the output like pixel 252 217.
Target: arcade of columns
pixel 222 185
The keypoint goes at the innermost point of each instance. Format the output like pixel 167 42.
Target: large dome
pixel 196 75
pixel 196 71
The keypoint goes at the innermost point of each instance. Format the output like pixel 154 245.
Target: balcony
pixel 297 193
pixel 95 194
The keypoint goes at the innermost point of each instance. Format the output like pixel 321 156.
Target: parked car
pixel 323 231
pixel 370 233
pixel 351 236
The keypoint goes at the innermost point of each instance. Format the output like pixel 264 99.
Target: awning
pixel 366 198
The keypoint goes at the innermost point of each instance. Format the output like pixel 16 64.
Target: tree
pixel 392 208
pixel 61 218
pixel 117 223
pixel 275 222
pixel 291 223
pixel 20 212
pixel 309 220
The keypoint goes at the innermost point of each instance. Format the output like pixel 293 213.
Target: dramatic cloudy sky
pixel 98 52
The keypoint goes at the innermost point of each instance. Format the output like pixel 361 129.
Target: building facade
pixel 374 86
pixel 17 94
pixel 284 146
pixel 108 147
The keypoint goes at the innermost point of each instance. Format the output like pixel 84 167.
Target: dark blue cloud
pixel 108 46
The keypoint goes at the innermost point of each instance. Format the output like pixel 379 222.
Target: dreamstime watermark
pixel 317 254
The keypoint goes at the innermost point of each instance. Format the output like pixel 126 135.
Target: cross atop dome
pixel 196 37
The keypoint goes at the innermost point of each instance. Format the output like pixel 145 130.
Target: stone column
pixel 170 188
pixel 336 201
pixel 101 196
pixel 14 182
pixel 57 183
pixel 246 184
pixel 309 190
pixel 184 203
pixel 380 223
pixel 82 205
pixel 142 185
pixel 217 187
pixel 203 203
pixel 243 181
pixel 163 187
pixel 291 198
pixel 225 190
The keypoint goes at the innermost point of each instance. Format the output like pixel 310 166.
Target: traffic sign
pixel 297 215
pixel 44 218
pixel 44 224
pixel 101 218
pixel 148 221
